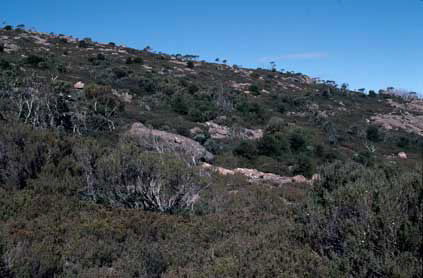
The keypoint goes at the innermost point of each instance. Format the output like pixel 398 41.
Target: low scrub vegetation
pixel 80 198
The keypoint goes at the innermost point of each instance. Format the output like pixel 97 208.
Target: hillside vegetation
pixel 103 172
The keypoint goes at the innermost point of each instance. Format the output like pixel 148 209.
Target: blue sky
pixel 366 43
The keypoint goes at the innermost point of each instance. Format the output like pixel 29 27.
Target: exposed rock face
pixel 407 116
pixel 164 141
pixel 255 176
pixel 406 121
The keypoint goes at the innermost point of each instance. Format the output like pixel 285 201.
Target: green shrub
pixel 34 60
pixel 101 57
pixel 83 44
pixel 247 149
pixel 373 134
pixel 252 111
pixel 254 89
pixel 355 218
pixel 4 65
pixel 297 141
pixel 180 104
pixel 23 155
pixel 273 145
pixel 275 124
pixel 134 60
pixel 305 166
pixel 8 28
pixel 1 47
pixel 190 64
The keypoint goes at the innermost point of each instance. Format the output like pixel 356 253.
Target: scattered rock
pixel 79 85
pixel 124 96
pixel 402 155
pixel 255 176
pixel 217 131
pixel 221 132
pixel 299 179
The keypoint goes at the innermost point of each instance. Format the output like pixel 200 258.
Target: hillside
pixel 107 156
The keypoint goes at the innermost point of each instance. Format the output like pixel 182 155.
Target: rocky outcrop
pixel 221 132
pixel 163 141
pixel 406 116
pixel 255 176
pixel 406 121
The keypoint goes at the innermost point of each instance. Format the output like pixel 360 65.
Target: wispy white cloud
pixel 296 56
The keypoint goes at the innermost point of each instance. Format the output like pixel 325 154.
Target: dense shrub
pixel 190 64
pixel 127 177
pixel 1 48
pixel 83 44
pixel 358 218
pixel 273 145
pixel 247 149
pixel 252 111
pixel 101 57
pixel 373 134
pixel 34 60
pixel 275 124
pixel 297 140
pixel 305 166
pixel 4 65
pixel 22 155
pixel 254 89
pixel 134 60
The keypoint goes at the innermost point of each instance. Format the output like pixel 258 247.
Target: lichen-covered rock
pixel 168 142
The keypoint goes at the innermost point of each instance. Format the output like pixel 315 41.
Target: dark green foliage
pixel 134 60
pixel 22 155
pixel 273 145
pixel 8 28
pixel 403 142
pixel 120 72
pixel 252 111
pixel 297 141
pixel 305 166
pixel 247 149
pixel 101 57
pixel 83 44
pixel 34 60
pixel 254 89
pixel 190 64
pixel 373 134
pixel 4 65
pixel 1 48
